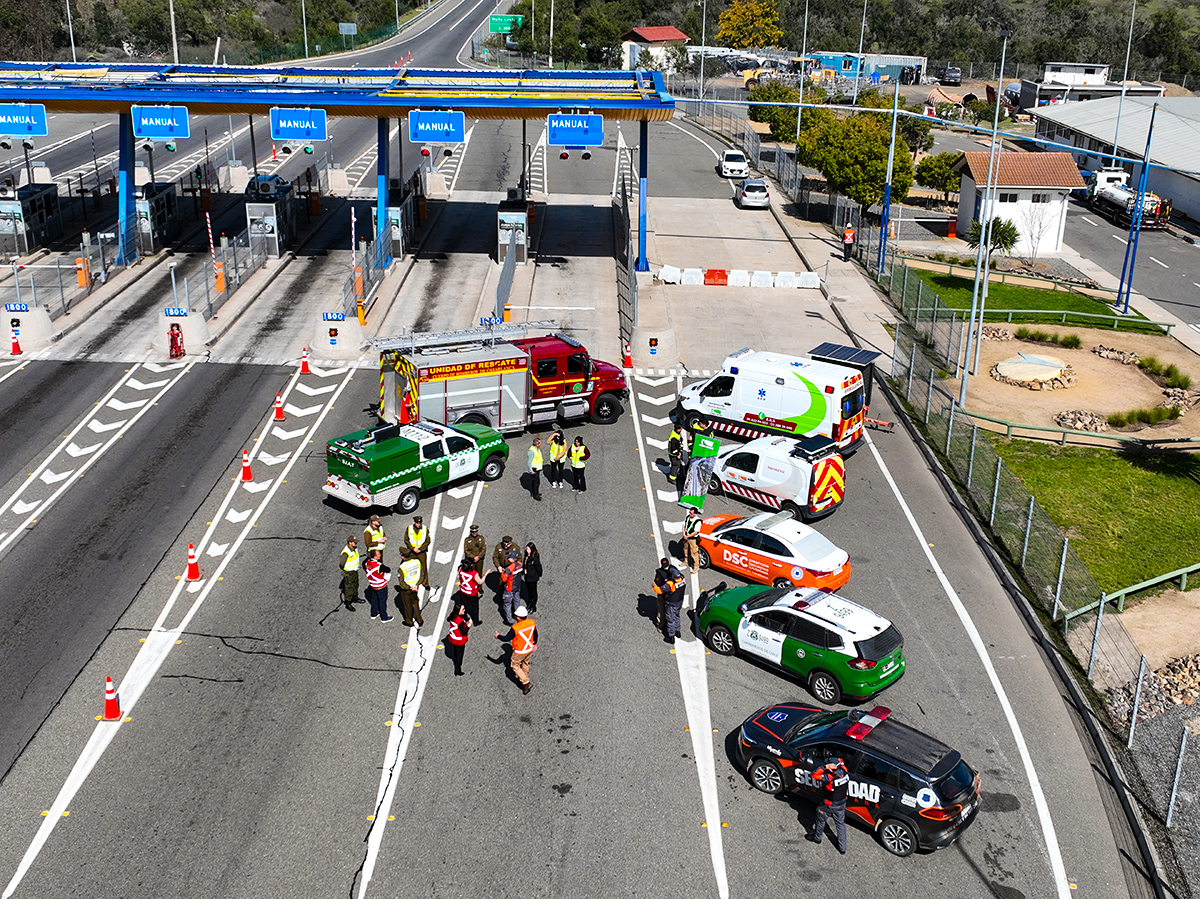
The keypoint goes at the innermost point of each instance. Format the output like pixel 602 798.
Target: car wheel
pixel 792 509
pixel 737 201
pixel 720 640
pixel 714 485
pixel 408 501
pixel 825 688
pixel 475 418
pixel 606 410
pixel 705 560
pixel 897 837
pixel 765 776
pixel 696 421
pixel 492 468
pixel 783 583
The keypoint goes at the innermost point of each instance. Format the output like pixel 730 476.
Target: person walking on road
pixel 668 585
pixel 373 537
pixel 847 242
pixel 476 548
pixel 524 639
pixel 675 453
pixel 456 637
pixel 470 584
pixel 558 458
pixel 500 553
pixel 579 455
pixel 350 562
pixel 512 576
pixel 834 780
pixel 532 565
pixel 535 469
pixel 691 539
pixel 377 581
pixel 416 546
pixel 410 584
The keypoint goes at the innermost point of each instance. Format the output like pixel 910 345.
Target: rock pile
pixel 1180 680
pixel 1176 683
pixel 995 332
pixel 1078 420
pixel 1180 399
pixel 1107 352
pixel 1063 381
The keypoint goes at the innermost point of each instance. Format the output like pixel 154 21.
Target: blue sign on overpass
pixel 574 130
pixel 443 127
pixel 299 124
pixel 24 119
pixel 160 122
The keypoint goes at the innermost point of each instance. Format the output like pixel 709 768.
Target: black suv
pixel 913 791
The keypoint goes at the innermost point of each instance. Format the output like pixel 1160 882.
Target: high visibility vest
pixel 352 558
pixel 675 443
pixel 848 236
pixel 467 584
pixel 535 454
pixel 458 633
pixel 577 460
pixel 558 451
pixel 509 574
pixel 671 585
pixel 374 536
pixel 416 538
pixel 375 578
pixel 691 526
pixel 523 641
pixel 411 572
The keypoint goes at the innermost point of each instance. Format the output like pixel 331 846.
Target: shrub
pixel 1145 416
pixel 1071 342
pixel 1175 378
pixel 1150 364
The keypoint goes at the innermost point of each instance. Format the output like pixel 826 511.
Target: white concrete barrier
pixel 668 274
pixel 810 280
pixel 692 277
pixel 785 279
pixel 347 344
pixel 35 330
pixel 739 277
pixel 762 279
pixel 195 334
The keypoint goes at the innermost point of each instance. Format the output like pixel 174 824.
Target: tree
pixel 916 133
pixel 982 111
pixel 1037 219
pixel 1003 237
pixel 852 155
pixel 1166 41
pixel 782 119
pixel 749 23
pixel 936 173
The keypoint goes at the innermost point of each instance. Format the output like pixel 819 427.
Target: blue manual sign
pixel 429 127
pixel 299 124
pixel 24 119
pixel 574 130
pixel 160 121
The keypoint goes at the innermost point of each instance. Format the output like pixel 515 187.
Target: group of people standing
pixel 560 456
pixel 413 570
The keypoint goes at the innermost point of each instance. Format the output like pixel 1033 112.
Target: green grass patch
pixel 1130 515
pixel 1144 416
pixel 1170 375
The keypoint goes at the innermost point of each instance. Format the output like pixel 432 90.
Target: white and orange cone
pixel 112 703
pixel 193 568
pixel 278 408
pixel 628 355
pixel 304 369
pixel 247 475
pixel 16 347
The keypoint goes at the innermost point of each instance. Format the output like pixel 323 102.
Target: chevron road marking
pixel 268 459
pixel 216 549
pixel 461 492
pixel 76 450
pixel 451 524
pixel 138 385
pixel 287 435
pixel 101 428
pixel 289 409
pixel 656 400
pixel 652 382
pixel 657 444
pixel 20 507
pixel 657 422
pixel 236 517
pixel 50 477
pixel 256 486
pixel 301 387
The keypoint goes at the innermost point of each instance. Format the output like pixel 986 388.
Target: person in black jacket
pixel 834 780
pixel 533 573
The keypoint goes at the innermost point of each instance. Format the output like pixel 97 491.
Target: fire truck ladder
pixel 463 338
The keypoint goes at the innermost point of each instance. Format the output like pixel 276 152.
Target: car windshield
pixel 755 188
pixel 881 645
pixel 734 157
pixel 953 787
pixel 813 726
pixel 730 524
pixel 768 598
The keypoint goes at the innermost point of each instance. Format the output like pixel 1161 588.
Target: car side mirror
pixel 742 608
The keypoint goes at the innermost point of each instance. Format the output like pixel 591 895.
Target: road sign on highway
pixel 160 121
pixel 442 127
pixel 574 130
pixel 504 24
pixel 23 119
pixel 347 28
pixel 299 124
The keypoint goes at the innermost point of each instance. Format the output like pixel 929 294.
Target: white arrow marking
pixel 100 427
pixel 658 422
pixel 20 507
pixel 51 478
pixel 327 373
pixel 77 451
pixel 657 444
pixel 443 557
pixel 217 549
pixel 451 524
pixel 255 486
pixel 652 382
pixel 237 517
pixel 125 407
pixel 287 435
pixel 668 496
pixel 160 367
pixel 672 527
pixel 195 586
pixel 138 385
pixel 656 400
pixel 301 387
pixel 289 409
pixel 461 492
pixel 268 459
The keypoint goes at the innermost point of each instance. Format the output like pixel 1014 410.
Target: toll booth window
pixel 747 462
pixel 458 445
pixel 577 364
pixel 852 404
pixel 433 450
pixel 722 386
pixel 547 368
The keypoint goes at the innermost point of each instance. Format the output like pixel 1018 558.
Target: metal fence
pixel 369 266
pixel 53 284
pixel 627 286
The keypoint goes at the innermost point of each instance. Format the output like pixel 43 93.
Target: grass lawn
pixel 1130 517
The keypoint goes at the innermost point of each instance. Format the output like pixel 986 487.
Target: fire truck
pixel 496 376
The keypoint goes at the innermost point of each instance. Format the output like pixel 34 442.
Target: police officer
pixel 350 561
pixel 691 538
pixel 834 779
pixel 410 582
pixel 500 553
pixel 416 546
pixel 373 537
pixel 475 548
pixel 675 453
pixel 668 585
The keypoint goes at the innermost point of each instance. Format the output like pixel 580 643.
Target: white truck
pixel 1109 194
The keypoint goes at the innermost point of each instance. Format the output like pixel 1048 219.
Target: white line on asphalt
pixel 1163 264
pixel 467 15
pixel 696 137
pixel 461 157
pixel 372 150
pixel 149 659
pixel 1089 221
pixel 1039 799
pixel 618 161
pixel 470 37
pixel 1122 239
pixel 1196 283
pixel 693 682
pixel 15 370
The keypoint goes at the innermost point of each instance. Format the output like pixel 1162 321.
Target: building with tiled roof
pixel 1032 190
pixel 654 41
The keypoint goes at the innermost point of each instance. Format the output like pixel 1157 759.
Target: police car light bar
pixel 868 722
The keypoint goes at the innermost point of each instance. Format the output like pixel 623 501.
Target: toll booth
pixel 157 205
pixel 272 208
pixel 512 216
pixel 29 217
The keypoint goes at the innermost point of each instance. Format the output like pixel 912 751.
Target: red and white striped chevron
pixel 765 499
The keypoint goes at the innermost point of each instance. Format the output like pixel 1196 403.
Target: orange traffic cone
pixel 112 705
pixel 628 355
pixel 246 473
pixel 278 408
pixel 304 369
pixel 410 57
pixel 16 347
pixel 193 569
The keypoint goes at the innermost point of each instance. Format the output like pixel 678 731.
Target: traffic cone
pixel 278 408
pixel 16 348
pixel 112 705
pixel 304 369
pixel 246 474
pixel 193 569
pixel 628 355
pixel 410 57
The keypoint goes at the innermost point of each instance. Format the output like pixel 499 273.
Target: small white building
pixel 654 41
pixel 1069 82
pixel 1031 192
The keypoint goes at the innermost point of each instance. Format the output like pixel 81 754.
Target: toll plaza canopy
pixel 370 93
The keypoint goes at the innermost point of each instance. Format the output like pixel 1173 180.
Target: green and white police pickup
pixel 392 465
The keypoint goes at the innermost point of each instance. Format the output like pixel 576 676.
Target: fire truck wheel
pixel 606 410
pixel 492 468
pixel 408 501
pixel 475 418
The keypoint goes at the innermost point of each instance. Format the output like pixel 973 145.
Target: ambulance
pixel 758 393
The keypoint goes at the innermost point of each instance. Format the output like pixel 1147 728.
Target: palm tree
pixel 1003 237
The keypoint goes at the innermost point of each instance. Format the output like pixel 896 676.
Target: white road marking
pixel 673 527
pixel 284 434
pixel 657 422
pixel 696 137
pixel 461 492
pixel 656 400
pixel 236 517
pixel 1163 264
pixel 1089 221
pixel 618 162
pixel 443 557
pixel 652 382
pixel 1122 239
pixel 1194 327
pixel 160 367
pixel 693 682
pixel 50 477
pixel 20 507
pixel 289 409
pixel 461 156
pixel 217 549
pixel 301 387
pixel 76 450
pixel 327 372
pixel 1039 799
pixel 657 444
pixel 268 459
pixel 256 486
pixel 451 524
pixel 138 385
pixel 101 428
pixel 195 586
pixel 668 496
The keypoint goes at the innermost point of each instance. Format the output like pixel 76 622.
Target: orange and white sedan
pixel 772 548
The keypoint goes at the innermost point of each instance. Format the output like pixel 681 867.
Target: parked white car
pixel 734 164
pixel 752 192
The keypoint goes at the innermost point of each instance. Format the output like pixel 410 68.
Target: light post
pixel 704 43
pixel 174 286
pixel 887 182
pixel 174 42
pixel 803 72
pixel 550 62
pixel 1124 80
pixel 304 23
pixel 862 33
pixel 71 29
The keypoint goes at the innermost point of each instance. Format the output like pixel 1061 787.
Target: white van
pixel 805 477
pixel 772 393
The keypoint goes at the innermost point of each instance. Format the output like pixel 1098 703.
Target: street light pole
pixel 71 29
pixel 304 23
pixel 550 62
pixel 1124 80
pixel 803 71
pixel 703 42
pixel 862 32
pixel 887 183
pixel 174 42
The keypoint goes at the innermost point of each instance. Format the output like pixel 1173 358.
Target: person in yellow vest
pixel 410 582
pixel 691 538
pixel 373 537
pixel 350 562
pixel 524 639
pixel 578 455
pixel 535 469
pixel 558 458
pixel 416 546
pixel 847 242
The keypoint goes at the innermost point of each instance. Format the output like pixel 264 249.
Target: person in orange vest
pixel 457 636
pixel 377 585
pixel 847 242
pixel 512 578
pixel 668 585
pixel 524 639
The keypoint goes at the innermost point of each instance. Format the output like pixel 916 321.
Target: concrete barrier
pixel 786 279
pixel 692 277
pixel 716 277
pixel 195 334
pixel 668 274
pixel 739 277
pixel 349 340
pixel 762 279
pixel 810 280
pixel 35 331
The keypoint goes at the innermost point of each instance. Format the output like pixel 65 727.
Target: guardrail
pixel 1023 280
pixel 1011 428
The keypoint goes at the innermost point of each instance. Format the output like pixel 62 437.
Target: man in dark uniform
pixel 500 553
pixel 475 548
pixel 668 585
pixel 834 779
